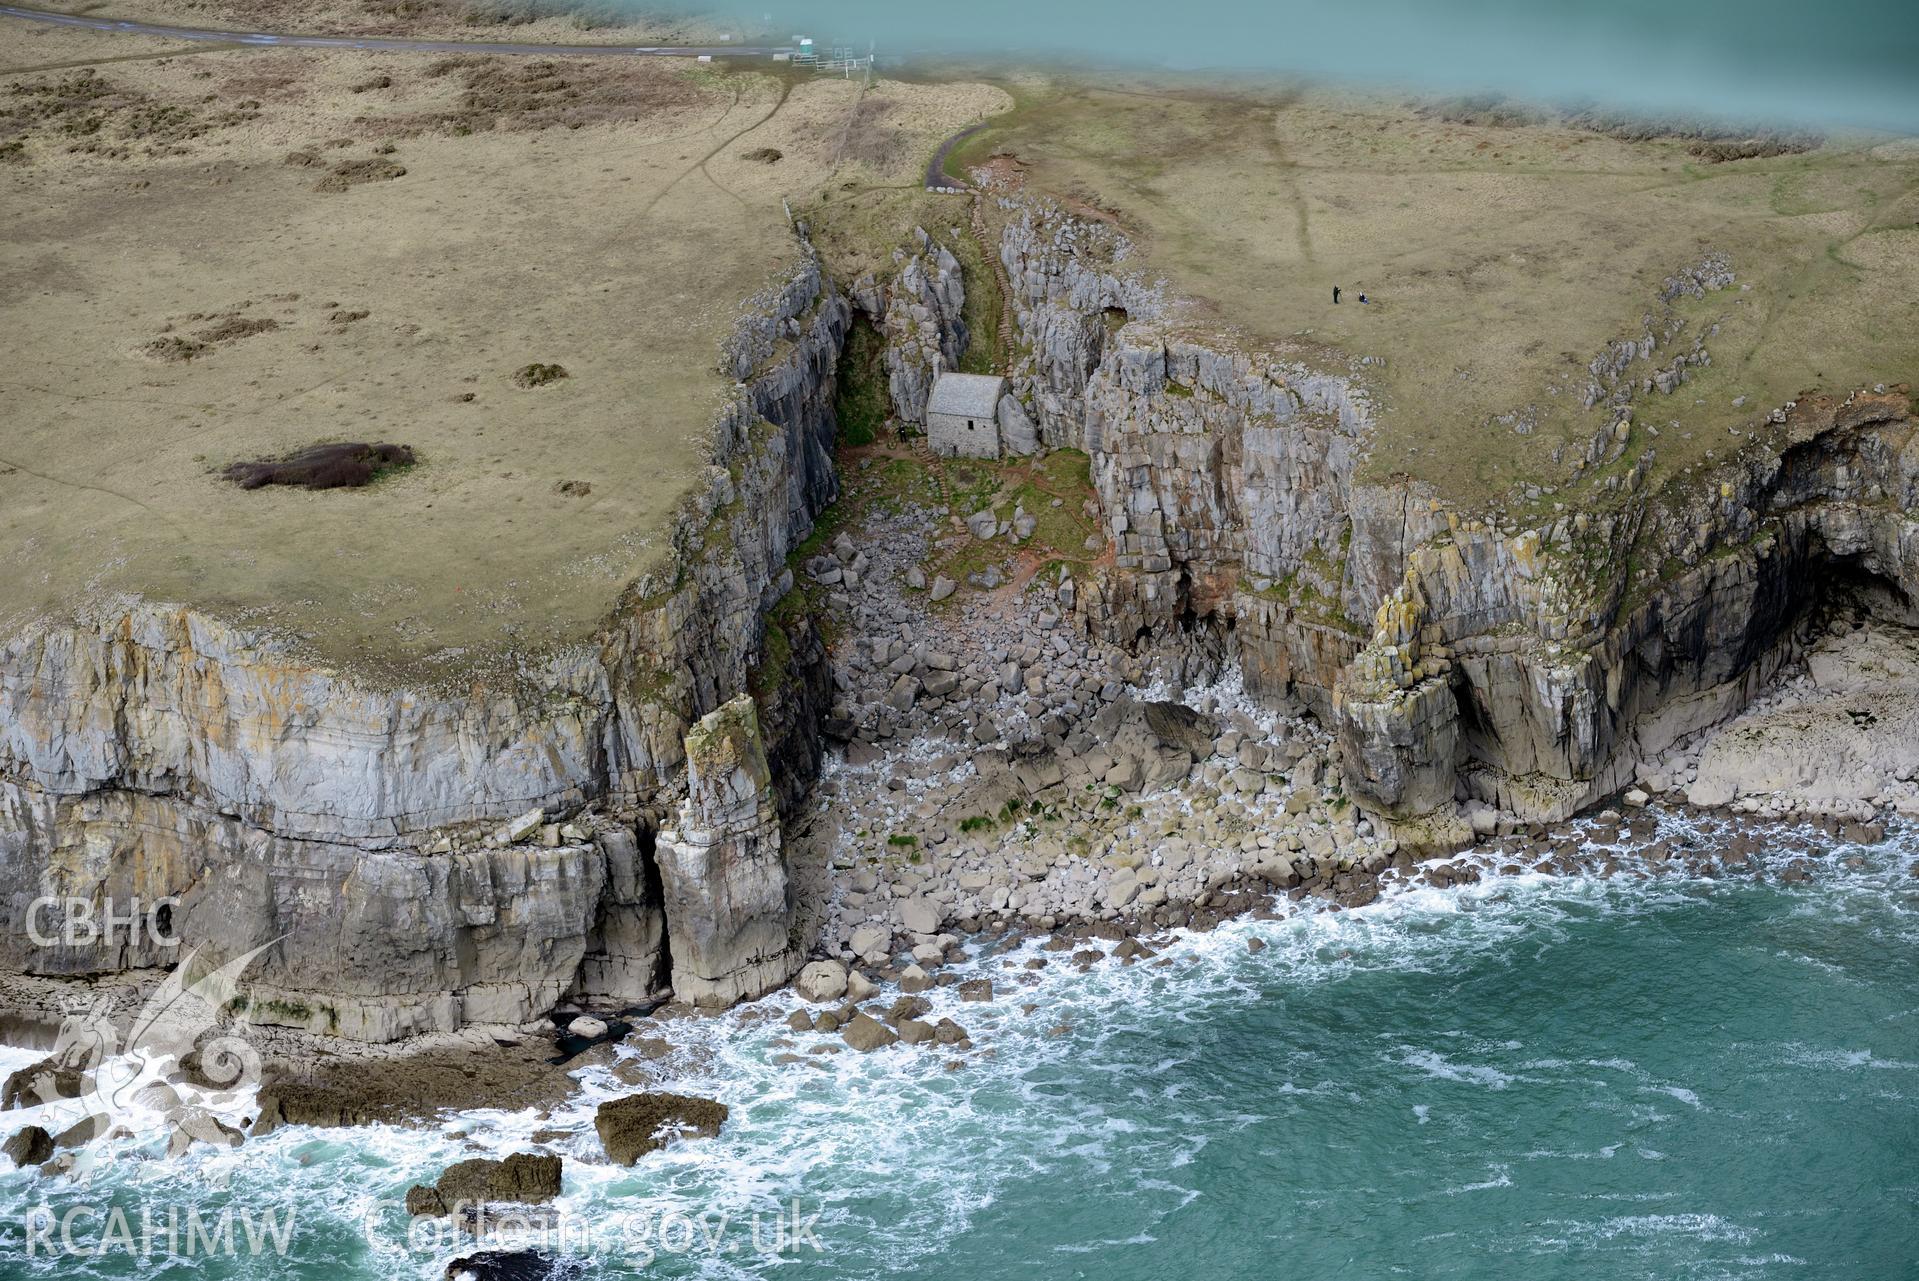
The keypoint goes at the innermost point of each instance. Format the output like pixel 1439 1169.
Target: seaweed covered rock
pixel 524 1178
pixel 632 1126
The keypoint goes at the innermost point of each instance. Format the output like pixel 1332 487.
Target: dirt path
pixel 936 175
pixel 385 44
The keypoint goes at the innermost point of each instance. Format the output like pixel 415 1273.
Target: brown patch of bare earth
pixel 352 173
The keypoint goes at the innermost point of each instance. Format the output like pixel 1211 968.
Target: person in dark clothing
pixel 1362 297
pixel 1335 295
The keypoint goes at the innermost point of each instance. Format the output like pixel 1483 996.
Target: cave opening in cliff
pixel 1848 585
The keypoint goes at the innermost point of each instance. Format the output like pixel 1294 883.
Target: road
pixel 269 39
pixel 936 175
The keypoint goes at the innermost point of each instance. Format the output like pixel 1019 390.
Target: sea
pixel 1650 1075
pixel 1837 64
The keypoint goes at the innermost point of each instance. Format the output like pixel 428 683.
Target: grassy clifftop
pixel 1501 258
pixel 221 255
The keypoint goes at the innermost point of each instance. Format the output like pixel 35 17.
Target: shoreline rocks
pixel 524 1178
pixel 636 1124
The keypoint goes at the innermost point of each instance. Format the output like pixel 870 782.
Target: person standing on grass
pixel 1335 295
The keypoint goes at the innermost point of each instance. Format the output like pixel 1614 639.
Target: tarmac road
pixel 936 175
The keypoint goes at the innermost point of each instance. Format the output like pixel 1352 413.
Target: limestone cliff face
pixel 1529 665
pixel 728 907
pixel 1227 479
pixel 918 312
pixel 1577 649
pixel 153 750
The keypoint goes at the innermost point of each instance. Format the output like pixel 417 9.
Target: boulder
pixel 519 829
pixel 915 1032
pixel 907 1007
pixel 82 1132
pixel 636 1124
pixel 524 1178
pixel 1017 433
pixel 866 1033
pixel 821 981
pixel 43 1082
pixel 976 990
pixel 194 1125
pixel 868 939
pixel 920 916
pixel 1179 726
pixel 859 987
pixel 914 979
pixel 587 1028
pixel 29 1146
pixel 513 1265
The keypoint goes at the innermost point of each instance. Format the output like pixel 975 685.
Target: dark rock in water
pixel 907 1007
pixel 525 1178
pixel 42 1082
pixel 29 1146
pixel 513 1265
pixel 293 1103
pixel 865 1033
pixel 81 1132
pixel 196 1125
pixel 424 1202
pixel 631 1127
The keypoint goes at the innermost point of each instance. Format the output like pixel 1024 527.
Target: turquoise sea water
pixel 1844 62
pixel 1530 1078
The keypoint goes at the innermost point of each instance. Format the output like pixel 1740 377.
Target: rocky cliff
pixel 1527 658
pixel 430 857
pixel 154 751
pixel 1540 665
pixel 728 907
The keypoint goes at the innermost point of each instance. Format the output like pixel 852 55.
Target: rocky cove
pixel 1263 681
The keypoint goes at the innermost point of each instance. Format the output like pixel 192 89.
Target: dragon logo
pixel 160 1064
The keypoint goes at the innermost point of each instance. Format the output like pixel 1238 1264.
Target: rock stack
pixel 729 914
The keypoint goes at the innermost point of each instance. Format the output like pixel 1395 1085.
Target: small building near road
pixel 974 416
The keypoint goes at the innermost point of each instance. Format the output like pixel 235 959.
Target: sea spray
pixel 1617 1076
